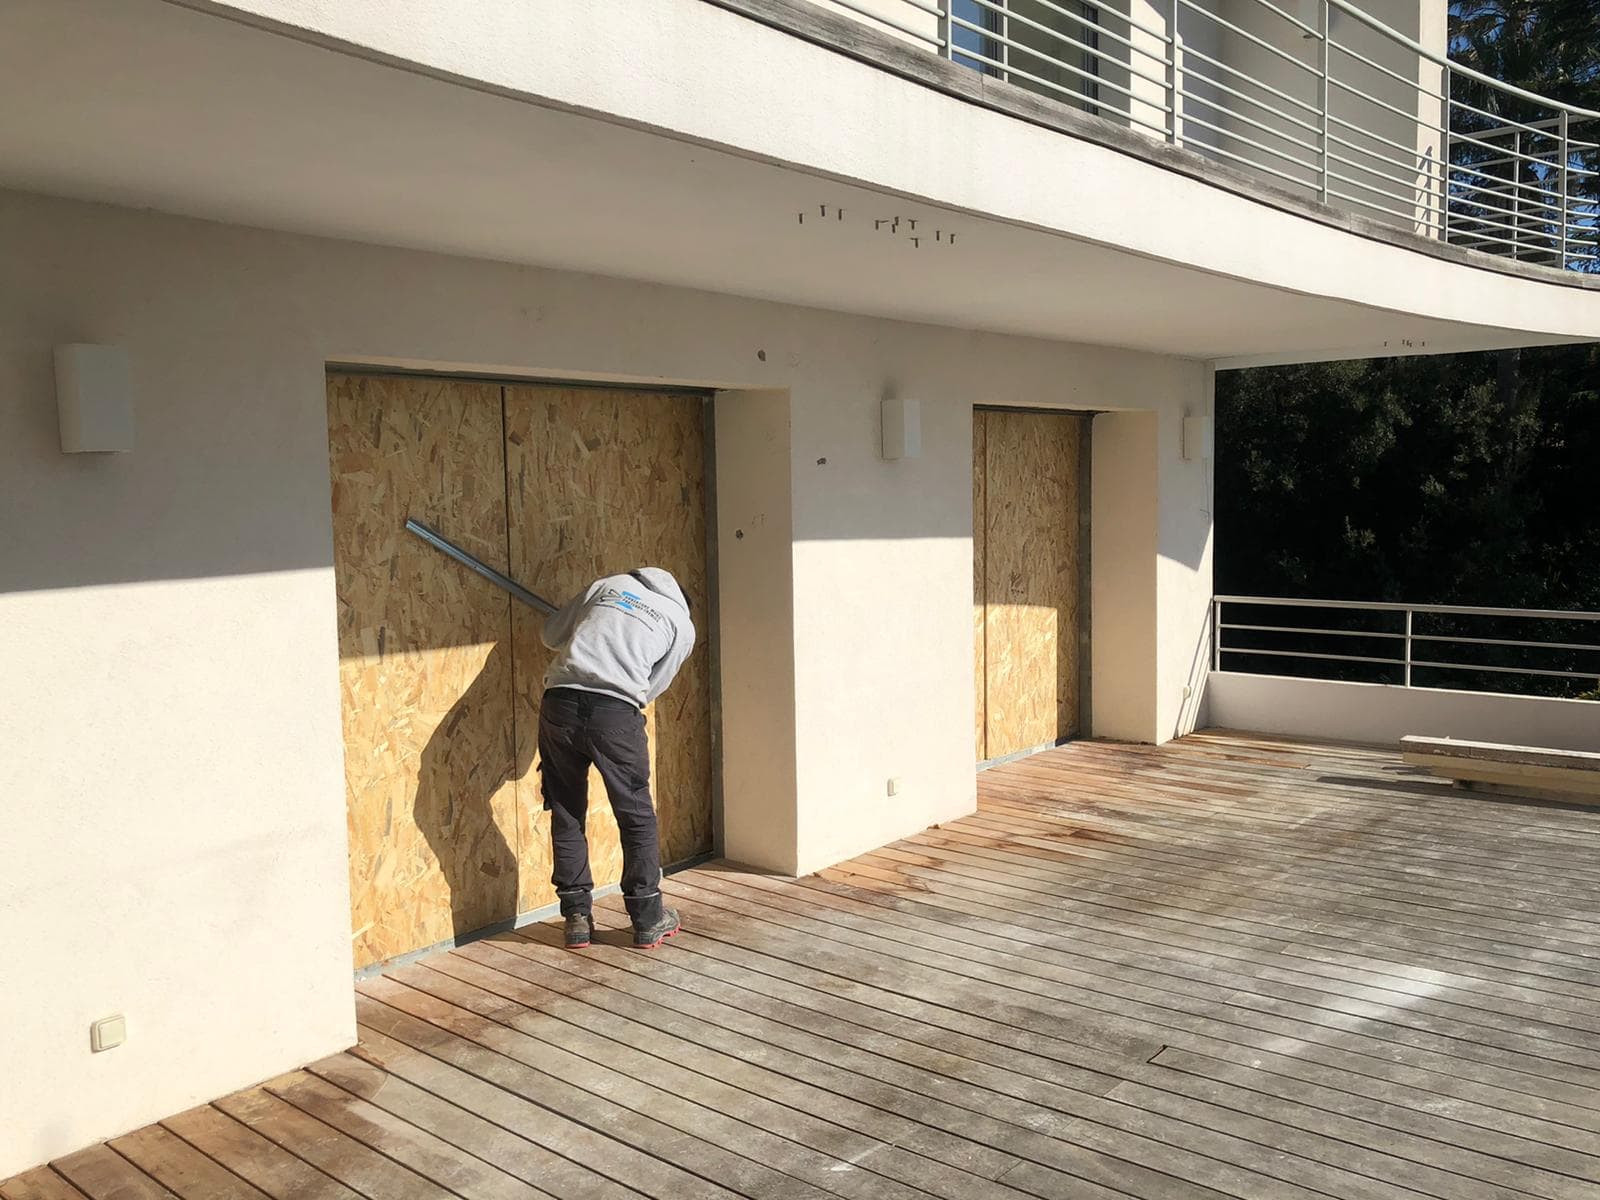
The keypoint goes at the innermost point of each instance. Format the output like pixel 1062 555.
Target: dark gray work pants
pixel 577 729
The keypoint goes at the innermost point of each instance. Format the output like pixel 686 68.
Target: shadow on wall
pixel 455 801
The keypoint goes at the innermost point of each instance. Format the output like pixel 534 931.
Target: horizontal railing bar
pixel 1267 129
pixel 1459 610
pixel 1511 128
pixel 1393 212
pixel 1472 194
pixel 1123 17
pixel 1309 30
pixel 1190 52
pixel 931 39
pixel 1231 135
pixel 1414 193
pixel 1250 37
pixel 1367 98
pixel 1532 127
pixel 1426 172
pixel 1354 633
pixel 1297 180
pixel 1469 641
pixel 995 6
pixel 1428 165
pixel 1457 138
pixel 1413 84
pixel 1212 83
pixel 1417 662
pixel 1409 151
pixel 1428 194
pixel 1461 196
pixel 1472 239
pixel 1383 662
pixel 1421 213
pixel 1009 68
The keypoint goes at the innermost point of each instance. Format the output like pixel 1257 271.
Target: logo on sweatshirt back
pixel 630 602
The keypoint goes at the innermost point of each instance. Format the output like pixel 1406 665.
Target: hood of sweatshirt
pixel 660 581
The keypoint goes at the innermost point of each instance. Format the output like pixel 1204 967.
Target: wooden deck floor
pixel 1226 967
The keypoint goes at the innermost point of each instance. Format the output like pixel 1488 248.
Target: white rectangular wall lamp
pixel 94 398
pixel 902 428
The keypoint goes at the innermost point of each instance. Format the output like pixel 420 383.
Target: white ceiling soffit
pixel 149 104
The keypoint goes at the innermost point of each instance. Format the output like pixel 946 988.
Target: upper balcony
pixel 1237 181
pixel 1355 109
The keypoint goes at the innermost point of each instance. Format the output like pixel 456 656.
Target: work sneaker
pixel 650 935
pixel 579 932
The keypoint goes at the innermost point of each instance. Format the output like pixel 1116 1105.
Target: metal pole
pixel 1216 635
pixel 1444 161
pixel 1566 159
pixel 1327 59
pixel 1408 648
pixel 947 31
pixel 461 556
pixel 1516 194
pixel 1174 81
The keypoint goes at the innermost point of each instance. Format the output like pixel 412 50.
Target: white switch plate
pixel 894 787
pixel 108 1032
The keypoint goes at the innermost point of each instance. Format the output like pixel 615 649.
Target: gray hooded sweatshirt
pixel 623 636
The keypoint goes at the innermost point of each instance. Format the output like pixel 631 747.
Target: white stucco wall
pixel 698 72
pixel 175 848
pixel 1382 714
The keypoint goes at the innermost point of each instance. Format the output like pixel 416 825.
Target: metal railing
pixel 1519 650
pixel 1316 95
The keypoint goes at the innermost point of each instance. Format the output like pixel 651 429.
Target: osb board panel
pixel 980 471
pixel 1031 574
pixel 425 662
pixel 601 482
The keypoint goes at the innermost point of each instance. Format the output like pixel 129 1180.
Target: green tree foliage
pixel 1468 479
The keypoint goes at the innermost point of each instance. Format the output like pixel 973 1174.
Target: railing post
pixel 1216 634
pixel 947 30
pixel 1324 91
pixel 1408 648
pixel 1566 159
pixel 1174 79
pixel 1444 160
pixel 1516 195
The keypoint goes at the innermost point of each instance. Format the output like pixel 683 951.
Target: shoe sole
pixel 653 945
pixel 577 945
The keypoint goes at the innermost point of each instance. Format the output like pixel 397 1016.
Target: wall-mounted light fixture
pixel 902 428
pixel 1199 438
pixel 94 398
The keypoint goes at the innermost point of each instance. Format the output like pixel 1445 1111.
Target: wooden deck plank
pixel 182 1169
pixel 361 1168
pixel 468 1131
pixel 1232 966
pixel 431 1157
pixel 103 1174
pixel 484 1085
pixel 949 1105
pixel 838 1129
pixel 660 1123
pixel 1463 1140
pixel 998 1104
pixel 1170 1013
pixel 243 1151
pixel 41 1183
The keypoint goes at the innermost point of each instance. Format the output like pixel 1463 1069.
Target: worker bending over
pixel 618 645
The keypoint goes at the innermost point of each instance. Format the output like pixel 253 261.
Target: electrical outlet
pixel 894 786
pixel 108 1033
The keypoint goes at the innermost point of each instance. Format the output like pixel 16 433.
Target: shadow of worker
pixel 469 759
